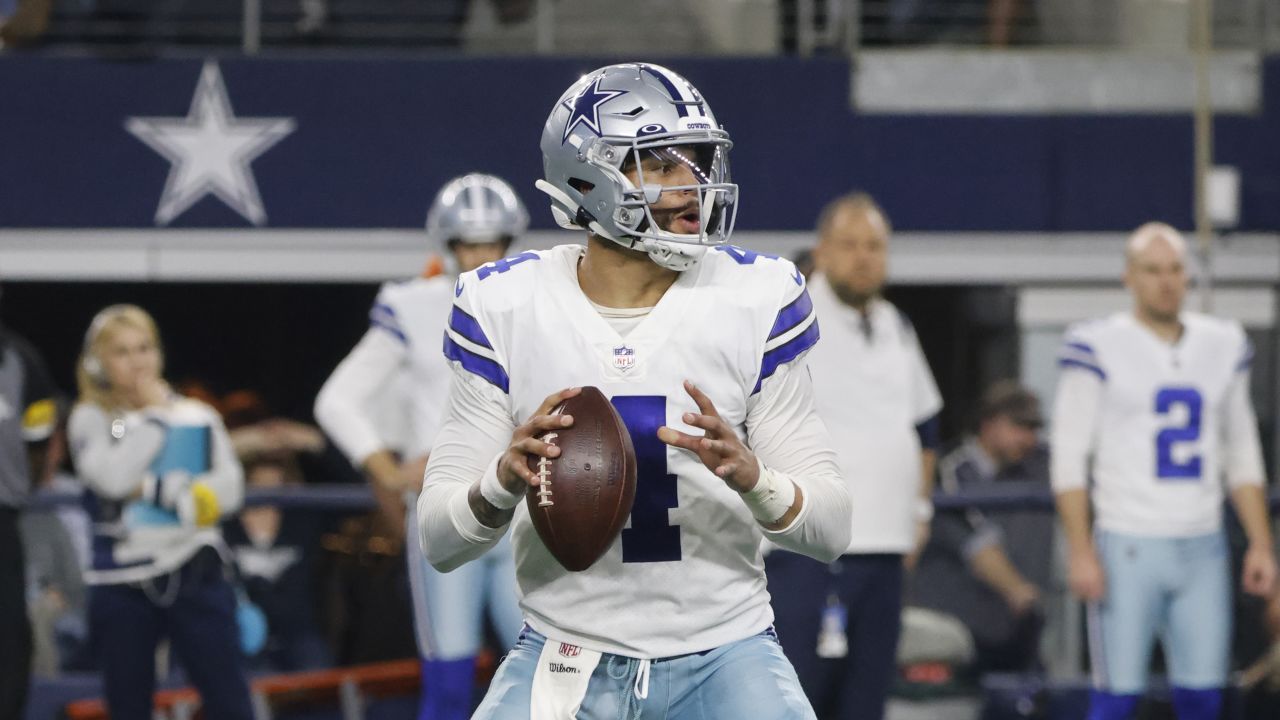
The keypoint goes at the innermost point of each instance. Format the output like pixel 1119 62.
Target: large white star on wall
pixel 210 151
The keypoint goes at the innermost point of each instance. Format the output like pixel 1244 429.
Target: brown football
pixel 586 493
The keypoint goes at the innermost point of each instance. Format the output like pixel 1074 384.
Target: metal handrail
pixel 358 498
pixel 835 25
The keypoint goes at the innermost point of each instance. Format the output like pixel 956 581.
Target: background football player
pixel 674 620
pixel 475 218
pixel 1160 398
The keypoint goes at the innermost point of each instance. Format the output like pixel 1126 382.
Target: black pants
pixel 1018 652
pixel 195 607
pixel 15 628
pixel 869 587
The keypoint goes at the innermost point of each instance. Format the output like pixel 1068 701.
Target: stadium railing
pixel 355 498
pixel 349 689
pixel 804 27
pixel 1095 24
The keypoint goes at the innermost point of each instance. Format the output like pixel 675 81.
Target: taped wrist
pixel 491 489
pixel 772 497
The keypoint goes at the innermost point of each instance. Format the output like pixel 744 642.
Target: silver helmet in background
pixel 610 120
pixel 475 208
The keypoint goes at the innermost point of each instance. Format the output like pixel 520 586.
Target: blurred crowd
pixel 510 26
pixel 330 585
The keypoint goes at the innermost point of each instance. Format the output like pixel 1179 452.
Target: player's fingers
pixel 719 447
pixel 517 463
pixel 539 424
pixel 675 438
pixel 555 399
pixel 711 423
pixel 705 406
pixel 727 470
pixel 534 446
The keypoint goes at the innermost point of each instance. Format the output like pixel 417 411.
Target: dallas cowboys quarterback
pixel 475 218
pixel 701 345
pixel 1159 398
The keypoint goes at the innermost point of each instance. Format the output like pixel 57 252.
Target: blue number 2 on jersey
pixel 1166 400
pixel 651 537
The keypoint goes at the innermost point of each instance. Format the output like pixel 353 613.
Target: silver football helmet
pixel 609 121
pixel 476 208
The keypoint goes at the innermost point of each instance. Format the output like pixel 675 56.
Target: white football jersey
pixel 415 312
pixel 390 390
pixel 686 573
pixel 1163 422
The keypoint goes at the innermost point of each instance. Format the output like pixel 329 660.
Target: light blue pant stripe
pixel 1174 589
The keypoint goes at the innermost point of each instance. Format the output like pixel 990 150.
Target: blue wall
pixel 375 138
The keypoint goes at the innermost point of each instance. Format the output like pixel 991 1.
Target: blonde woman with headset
pixel 159 472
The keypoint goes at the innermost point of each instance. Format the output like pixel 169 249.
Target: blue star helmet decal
pixel 586 108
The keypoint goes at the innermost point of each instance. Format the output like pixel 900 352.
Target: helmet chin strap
pixel 560 204
pixel 672 256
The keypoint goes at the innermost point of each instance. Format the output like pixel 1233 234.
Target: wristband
pixel 491 489
pixel 771 498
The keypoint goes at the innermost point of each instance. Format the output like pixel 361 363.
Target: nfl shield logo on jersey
pixel 568 650
pixel 624 358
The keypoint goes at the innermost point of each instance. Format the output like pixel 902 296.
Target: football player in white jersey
pixel 700 345
pixel 1158 398
pixel 475 218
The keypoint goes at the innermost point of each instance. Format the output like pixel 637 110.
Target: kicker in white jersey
pixel 686 574
pixel 1163 422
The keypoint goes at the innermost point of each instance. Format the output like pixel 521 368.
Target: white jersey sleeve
pixel 1075 413
pixel 476 430
pixel 785 432
pixel 344 405
pixel 1242 457
pixel 794 329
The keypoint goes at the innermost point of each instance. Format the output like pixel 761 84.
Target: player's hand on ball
pixel 1259 575
pixel 1085 576
pixel 513 466
pixel 718 448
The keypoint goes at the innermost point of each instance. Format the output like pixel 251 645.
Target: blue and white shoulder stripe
pixel 1079 354
pixel 383 316
pixel 466 343
pixel 794 332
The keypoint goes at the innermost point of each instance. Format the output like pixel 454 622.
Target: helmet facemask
pixel 595 146
pixel 711 200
